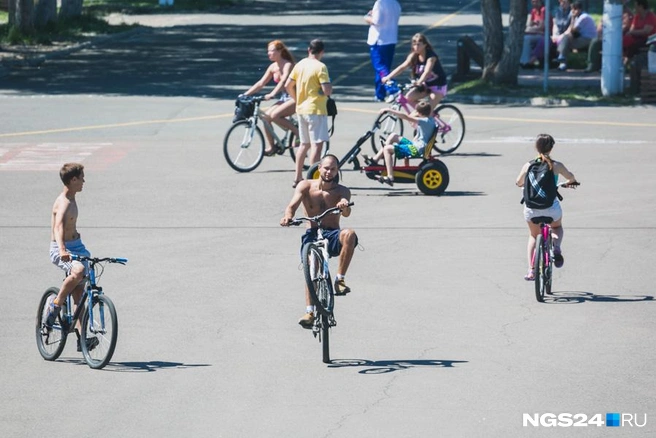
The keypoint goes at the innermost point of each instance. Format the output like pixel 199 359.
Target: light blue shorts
pixel 75 247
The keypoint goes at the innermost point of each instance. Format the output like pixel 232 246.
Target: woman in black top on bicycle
pixel 427 72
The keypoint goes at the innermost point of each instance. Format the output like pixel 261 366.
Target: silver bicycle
pixel 244 144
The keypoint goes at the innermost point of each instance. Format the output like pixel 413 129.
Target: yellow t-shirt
pixel 309 74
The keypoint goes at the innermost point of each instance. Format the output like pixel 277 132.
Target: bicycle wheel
pixel 98 341
pixel 388 124
pixel 538 268
pixel 51 342
pixel 243 146
pixel 325 338
pixel 548 270
pixel 294 149
pixel 449 137
pixel 317 277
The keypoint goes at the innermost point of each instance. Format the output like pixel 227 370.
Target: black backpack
pixel 540 190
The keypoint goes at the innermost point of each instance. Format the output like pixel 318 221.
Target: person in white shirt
pixel 581 31
pixel 383 20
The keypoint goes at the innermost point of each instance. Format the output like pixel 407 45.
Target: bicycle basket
pixel 243 110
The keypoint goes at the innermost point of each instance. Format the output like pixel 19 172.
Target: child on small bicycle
pixel 402 147
pixel 282 63
pixel 426 71
pixel 544 145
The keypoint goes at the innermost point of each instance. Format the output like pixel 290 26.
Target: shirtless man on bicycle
pixel 317 196
pixel 65 239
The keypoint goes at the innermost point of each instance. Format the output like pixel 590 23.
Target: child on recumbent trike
pixel 402 147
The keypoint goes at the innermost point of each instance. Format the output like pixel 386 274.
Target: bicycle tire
pixel 242 153
pixel 325 338
pixel 549 268
pixel 388 124
pixel 318 279
pixel 538 268
pixel 105 330
pixel 448 142
pixel 51 342
pixel 432 178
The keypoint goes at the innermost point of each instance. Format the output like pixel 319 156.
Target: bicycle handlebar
pixel 569 185
pixel 335 210
pixel 95 260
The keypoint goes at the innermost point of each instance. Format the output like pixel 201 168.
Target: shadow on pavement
pixel 338 7
pixel 221 61
pixel 578 297
pixel 149 366
pixel 389 366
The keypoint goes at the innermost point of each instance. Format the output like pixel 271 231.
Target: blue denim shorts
pixel 334 245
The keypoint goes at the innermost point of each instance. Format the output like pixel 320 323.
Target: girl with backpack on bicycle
pixel 282 63
pixel 426 71
pixel 539 178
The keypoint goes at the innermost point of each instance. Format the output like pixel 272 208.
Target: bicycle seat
pixel 542 220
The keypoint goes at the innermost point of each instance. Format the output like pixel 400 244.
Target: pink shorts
pixel 438 89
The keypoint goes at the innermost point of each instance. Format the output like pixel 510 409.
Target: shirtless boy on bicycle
pixel 65 239
pixel 317 196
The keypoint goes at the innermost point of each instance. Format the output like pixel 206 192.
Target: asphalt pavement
pixel 441 335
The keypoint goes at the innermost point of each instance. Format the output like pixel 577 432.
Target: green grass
pixel 582 95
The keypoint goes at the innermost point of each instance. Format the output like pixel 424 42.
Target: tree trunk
pixel 45 12
pixel 21 15
pixel 502 57
pixel 70 8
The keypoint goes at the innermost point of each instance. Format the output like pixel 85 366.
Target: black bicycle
pixel 314 256
pixel 99 321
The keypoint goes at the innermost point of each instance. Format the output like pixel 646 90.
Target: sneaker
pixel 91 344
pixel 558 258
pixel 530 275
pixel 341 288
pixel 562 66
pixel 53 311
pixel 307 320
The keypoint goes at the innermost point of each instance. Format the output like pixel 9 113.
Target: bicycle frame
pixel 281 143
pixel 545 229
pixel 91 289
pixel 402 102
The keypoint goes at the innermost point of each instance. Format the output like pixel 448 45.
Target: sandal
pixel 530 275
pixel 270 153
pixel 368 160
pixel 385 180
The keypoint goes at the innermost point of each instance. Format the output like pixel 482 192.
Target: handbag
pixel 331 107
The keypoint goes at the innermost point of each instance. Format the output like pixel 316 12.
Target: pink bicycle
pixel 448 118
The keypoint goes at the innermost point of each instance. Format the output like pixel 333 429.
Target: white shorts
pixel 312 128
pixel 554 212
